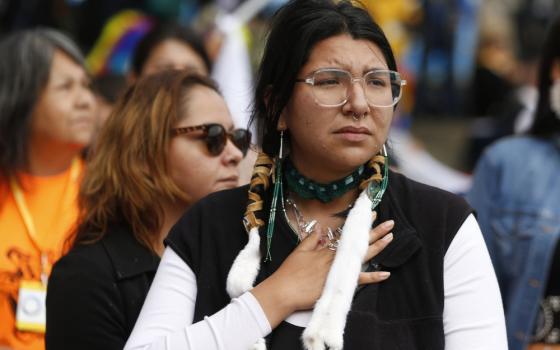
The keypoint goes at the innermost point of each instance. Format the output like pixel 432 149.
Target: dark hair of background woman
pixel 166 31
pixel 546 122
pixel 127 175
pixel 25 65
pixel 310 21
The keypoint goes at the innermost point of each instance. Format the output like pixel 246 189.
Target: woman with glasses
pixel 169 142
pixel 291 261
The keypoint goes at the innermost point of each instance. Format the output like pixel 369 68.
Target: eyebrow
pixel 67 76
pixel 227 127
pixel 344 66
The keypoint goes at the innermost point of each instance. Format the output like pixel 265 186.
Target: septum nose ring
pixel 357 117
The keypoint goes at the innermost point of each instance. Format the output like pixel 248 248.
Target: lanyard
pixel 28 219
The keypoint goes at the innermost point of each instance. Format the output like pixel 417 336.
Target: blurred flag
pixel 112 51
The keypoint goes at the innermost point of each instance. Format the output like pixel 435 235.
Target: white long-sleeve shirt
pixel 473 316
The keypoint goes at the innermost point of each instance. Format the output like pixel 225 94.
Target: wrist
pixel 274 300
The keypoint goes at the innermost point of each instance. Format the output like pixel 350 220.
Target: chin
pixel 224 186
pixel 82 140
pixel 353 159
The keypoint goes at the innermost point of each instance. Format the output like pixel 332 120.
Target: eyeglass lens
pixel 216 137
pixel 382 88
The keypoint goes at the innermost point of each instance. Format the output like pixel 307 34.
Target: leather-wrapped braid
pixel 260 181
pixel 374 171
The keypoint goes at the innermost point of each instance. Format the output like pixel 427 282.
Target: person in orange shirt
pixel 48 117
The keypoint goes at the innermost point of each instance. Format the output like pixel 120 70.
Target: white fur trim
pixel 259 345
pixel 555 97
pixel 326 328
pixel 246 266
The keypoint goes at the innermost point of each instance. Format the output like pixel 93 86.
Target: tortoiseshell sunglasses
pixel 215 136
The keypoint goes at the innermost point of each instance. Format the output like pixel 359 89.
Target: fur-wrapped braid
pixel 246 266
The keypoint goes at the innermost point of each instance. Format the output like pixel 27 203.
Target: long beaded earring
pixel 276 193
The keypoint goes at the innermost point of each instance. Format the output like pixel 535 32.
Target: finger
pixel 322 243
pixel 380 230
pixel 373 216
pixel 376 247
pixel 311 241
pixel 373 277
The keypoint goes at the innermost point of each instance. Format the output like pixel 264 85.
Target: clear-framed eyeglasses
pixel 331 87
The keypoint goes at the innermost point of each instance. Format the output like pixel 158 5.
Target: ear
pixel 281 125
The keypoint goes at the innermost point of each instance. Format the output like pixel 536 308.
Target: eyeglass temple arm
pixel 188 129
pixel 306 80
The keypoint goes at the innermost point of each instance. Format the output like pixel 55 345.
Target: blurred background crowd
pixel 472 77
pixel 470 64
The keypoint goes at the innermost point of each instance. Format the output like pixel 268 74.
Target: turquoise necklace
pixel 309 189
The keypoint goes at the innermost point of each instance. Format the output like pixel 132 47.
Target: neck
pixel 325 192
pixel 172 212
pixel 332 207
pixel 319 172
pixel 49 158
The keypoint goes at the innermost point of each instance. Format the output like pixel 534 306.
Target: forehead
pixel 63 66
pixel 204 105
pixel 342 51
pixel 176 52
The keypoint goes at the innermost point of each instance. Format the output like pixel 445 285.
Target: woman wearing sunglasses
pixel 293 257
pixel 169 142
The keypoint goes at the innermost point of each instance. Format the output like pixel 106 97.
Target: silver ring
pixel 333 245
pixel 310 227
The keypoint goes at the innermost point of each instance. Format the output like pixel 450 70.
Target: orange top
pixel 51 203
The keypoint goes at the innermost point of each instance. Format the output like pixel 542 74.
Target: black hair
pixel 25 64
pixel 109 86
pixel 547 123
pixel 296 28
pixel 165 31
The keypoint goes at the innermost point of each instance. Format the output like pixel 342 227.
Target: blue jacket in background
pixel 516 194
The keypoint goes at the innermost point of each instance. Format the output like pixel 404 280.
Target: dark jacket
pixel 403 313
pixel 96 292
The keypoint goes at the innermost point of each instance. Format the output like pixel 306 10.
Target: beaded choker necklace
pixel 374 189
pixel 309 189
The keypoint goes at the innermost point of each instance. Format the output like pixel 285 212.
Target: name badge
pixel 31 314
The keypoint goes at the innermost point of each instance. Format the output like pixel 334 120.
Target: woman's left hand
pixel 379 237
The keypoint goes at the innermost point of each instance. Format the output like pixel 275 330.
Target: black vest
pixel 403 312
